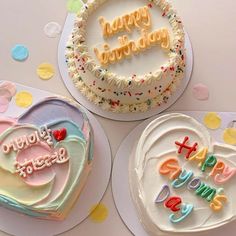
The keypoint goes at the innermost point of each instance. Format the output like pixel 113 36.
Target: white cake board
pixel 21 225
pixel 120 178
pixel 98 110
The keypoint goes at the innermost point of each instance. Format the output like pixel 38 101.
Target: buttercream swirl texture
pixel 46 155
pixel 134 92
pixel 156 148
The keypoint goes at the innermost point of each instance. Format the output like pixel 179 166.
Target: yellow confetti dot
pixel 212 120
pixel 98 213
pixel 230 136
pixel 45 71
pixel 23 99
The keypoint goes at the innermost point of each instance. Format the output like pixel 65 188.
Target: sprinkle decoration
pixel 98 213
pixel 200 92
pixel 212 120
pixel 74 6
pixel 24 99
pixel 52 29
pixel 45 71
pixel 229 136
pixel 19 52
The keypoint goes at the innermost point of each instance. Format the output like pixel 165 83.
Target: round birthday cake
pixel 180 180
pixel 45 157
pixel 127 56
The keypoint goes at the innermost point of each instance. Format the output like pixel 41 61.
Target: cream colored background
pixel 211 27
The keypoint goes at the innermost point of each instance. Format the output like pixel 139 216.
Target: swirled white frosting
pixel 155 144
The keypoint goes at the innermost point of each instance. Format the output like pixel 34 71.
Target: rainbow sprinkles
pixel 218 171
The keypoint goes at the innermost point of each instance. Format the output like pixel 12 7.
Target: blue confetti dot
pixel 19 52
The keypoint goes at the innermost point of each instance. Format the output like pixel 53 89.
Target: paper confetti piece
pixel 98 213
pixel 229 136
pixel 200 92
pixel 212 120
pixel 45 71
pixel 74 5
pixel 52 29
pixel 24 99
pixel 9 87
pixel 19 52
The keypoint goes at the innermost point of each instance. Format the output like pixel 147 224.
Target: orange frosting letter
pixel 170 167
pixel 216 203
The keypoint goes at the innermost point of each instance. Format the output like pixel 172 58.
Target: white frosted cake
pixel 181 181
pixel 127 56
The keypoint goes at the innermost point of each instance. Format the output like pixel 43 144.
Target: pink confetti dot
pixel 201 92
pixel 9 87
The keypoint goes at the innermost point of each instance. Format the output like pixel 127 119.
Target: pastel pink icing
pixel 7 91
pixel 59 173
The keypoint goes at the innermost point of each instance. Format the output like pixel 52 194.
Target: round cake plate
pixel 111 115
pixel 21 225
pixel 120 177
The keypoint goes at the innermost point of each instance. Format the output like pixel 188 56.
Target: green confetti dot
pixel 74 5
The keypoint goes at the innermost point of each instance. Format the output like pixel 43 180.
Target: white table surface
pixel 211 27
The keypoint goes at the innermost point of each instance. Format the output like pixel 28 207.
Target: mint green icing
pixel 71 127
pixel 14 205
pixel 76 148
pixel 12 186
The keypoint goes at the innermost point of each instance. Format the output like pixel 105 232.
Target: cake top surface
pixel 128 39
pixel 148 60
pixel 43 154
pixel 184 180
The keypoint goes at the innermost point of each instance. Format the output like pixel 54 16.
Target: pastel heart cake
pixel 181 181
pixel 45 158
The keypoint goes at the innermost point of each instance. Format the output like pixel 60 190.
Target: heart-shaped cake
pixel 45 158
pixel 181 181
